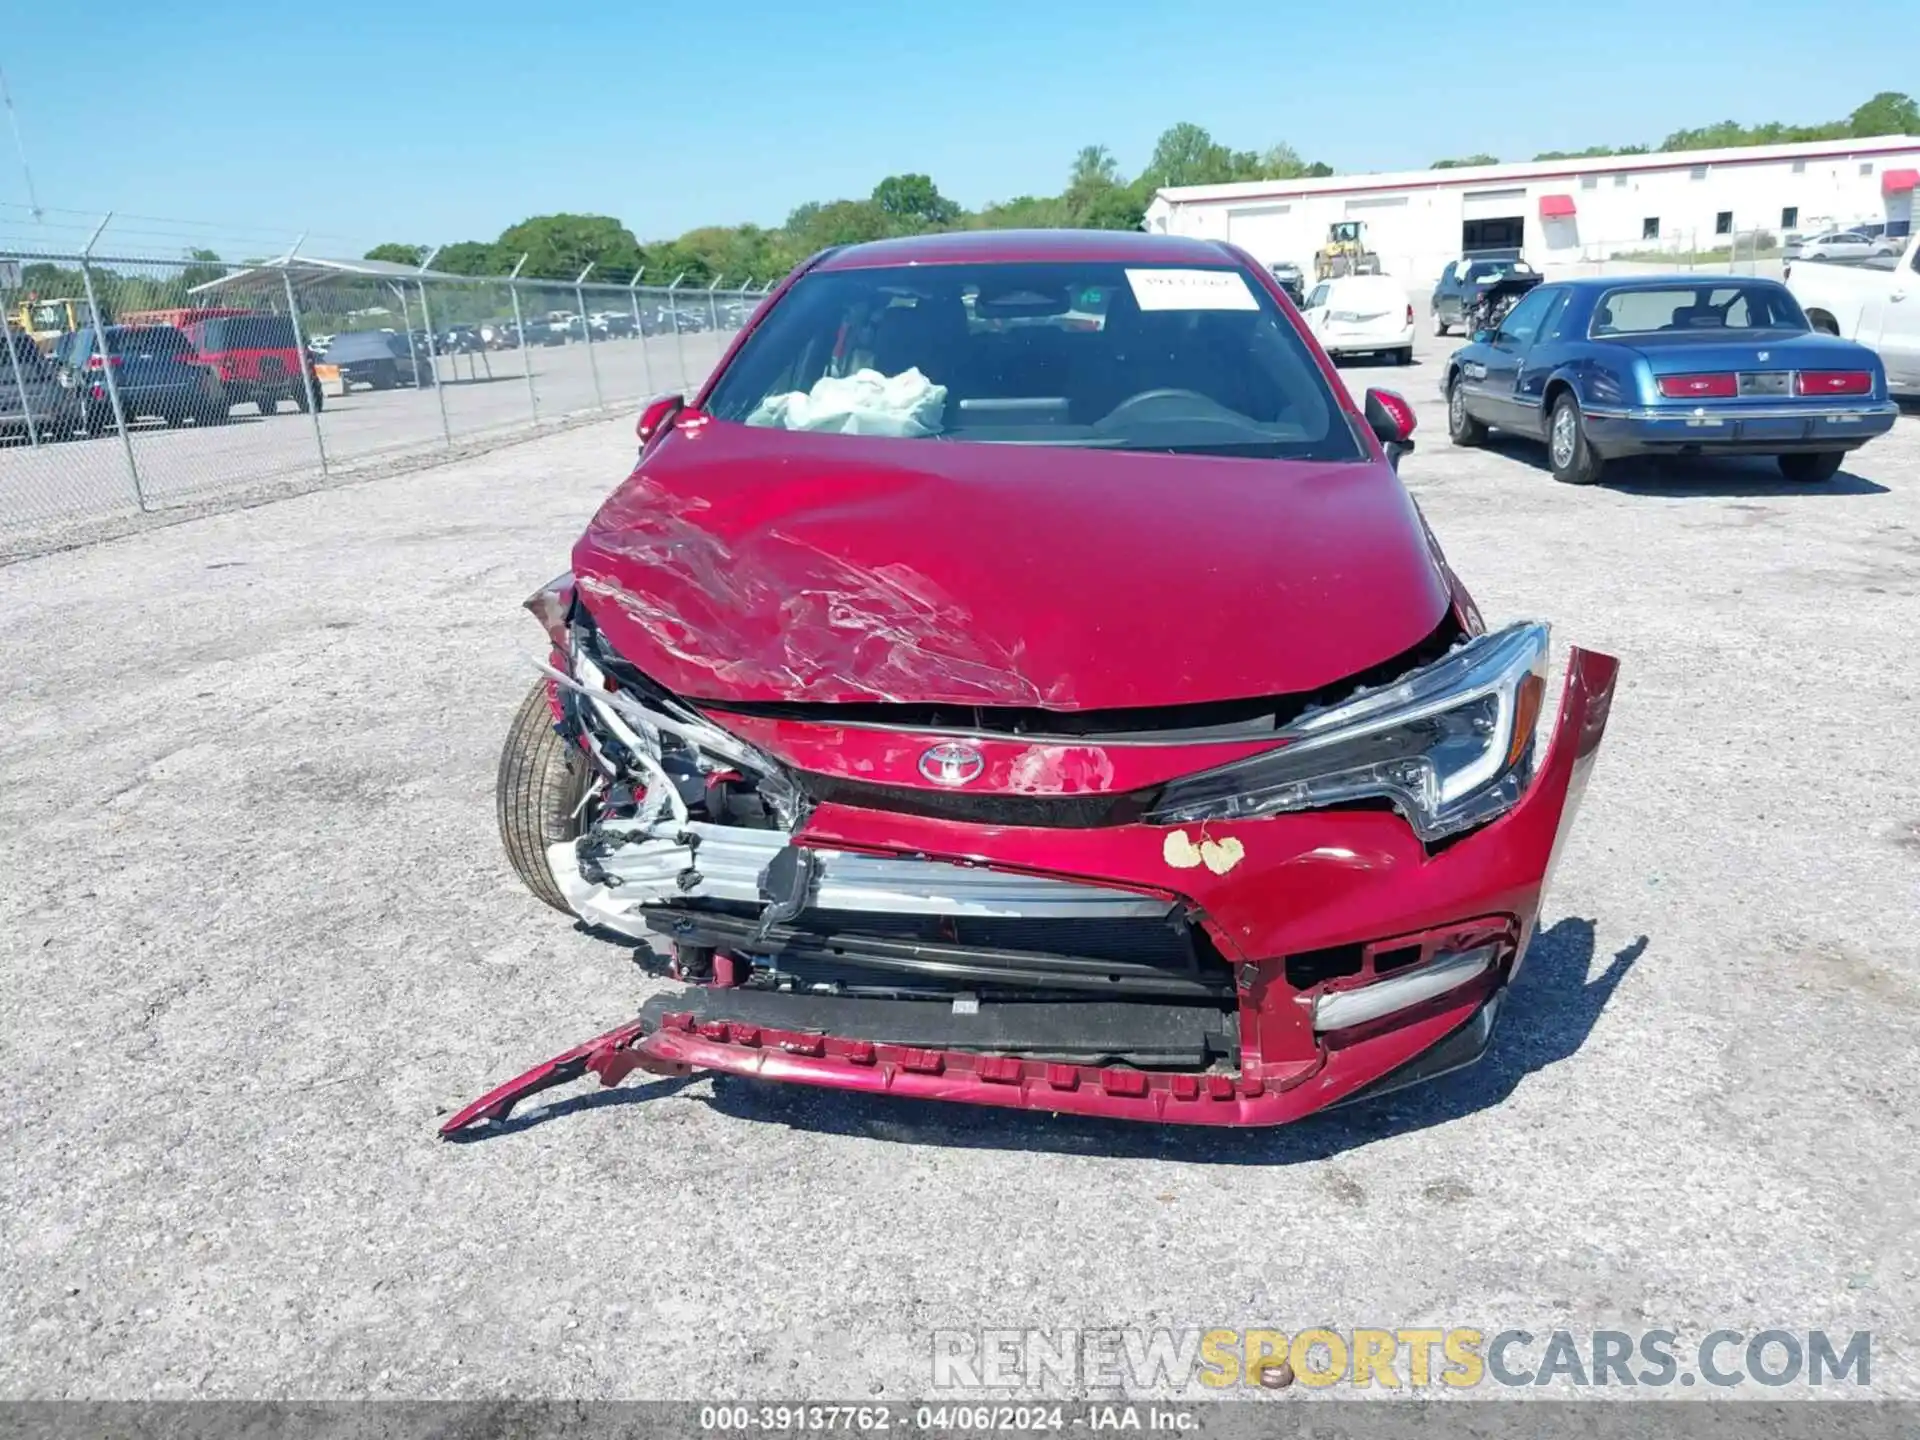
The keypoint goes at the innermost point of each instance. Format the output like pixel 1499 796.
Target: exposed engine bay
pixel 684 836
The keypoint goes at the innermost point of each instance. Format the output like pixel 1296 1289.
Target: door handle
pixel 1898 295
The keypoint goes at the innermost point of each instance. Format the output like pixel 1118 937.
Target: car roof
pixel 976 247
pixel 1592 283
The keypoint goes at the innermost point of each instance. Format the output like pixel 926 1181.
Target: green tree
pixel 559 247
pixel 838 222
pixel 1093 167
pixel 1118 207
pixel 1592 152
pixel 1888 113
pixel 1279 162
pixel 1185 154
pixel 397 254
pixel 913 202
pixel 206 268
pixel 472 257
pixel 1026 212
pixel 1465 160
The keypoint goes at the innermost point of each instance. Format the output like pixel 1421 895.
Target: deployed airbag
pixel 906 406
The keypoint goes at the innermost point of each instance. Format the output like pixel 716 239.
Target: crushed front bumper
pixel 1300 887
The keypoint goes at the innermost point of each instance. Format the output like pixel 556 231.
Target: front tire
pixel 1573 460
pixel 1811 469
pixel 537 795
pixel 1462 428
pixel 1403 356
pixel 1439 325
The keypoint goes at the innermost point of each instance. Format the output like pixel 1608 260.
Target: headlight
pixel 1451 746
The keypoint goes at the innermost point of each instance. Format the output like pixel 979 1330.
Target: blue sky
pixel 362 122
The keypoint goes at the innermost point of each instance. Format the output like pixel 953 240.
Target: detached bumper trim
pixel 726 862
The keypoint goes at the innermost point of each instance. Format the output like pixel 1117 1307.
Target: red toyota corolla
pixel 1020 677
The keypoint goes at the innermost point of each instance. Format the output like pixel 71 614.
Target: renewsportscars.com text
pixel 1401 1358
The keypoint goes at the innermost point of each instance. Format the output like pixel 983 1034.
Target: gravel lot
pixel 258 935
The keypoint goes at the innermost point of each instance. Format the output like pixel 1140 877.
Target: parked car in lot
pixel 1684 365
pixel 1291 279
pixel 381 359
pixel 1876 302
pixel 460 340
pixel 157 373
pixel 1362 315
pixel 499 335
pixel 259 357
pixel 34 405
pixel 610 324
pixel 1224 812
pixel 538 330
pixel 1462 284
pixel 1840 245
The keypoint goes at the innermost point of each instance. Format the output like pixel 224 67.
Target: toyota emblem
pixel 952 764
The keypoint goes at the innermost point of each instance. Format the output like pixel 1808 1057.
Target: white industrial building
pixel 1565 213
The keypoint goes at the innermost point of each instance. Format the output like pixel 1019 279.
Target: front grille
pixel 1060 812
pixel 861 952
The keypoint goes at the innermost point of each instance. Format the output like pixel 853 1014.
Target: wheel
pixel 300 399
pixel 268 404
pixel 385 379
pixel 1403 356
pixel 537 795
pixel 1462 428
pixel 1572 458
pixel 1811 469
pixel 210 412
pixel 1439 325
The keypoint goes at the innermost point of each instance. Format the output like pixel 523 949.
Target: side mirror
pixel 1392 421
pixel 1483 337
pixel 658 415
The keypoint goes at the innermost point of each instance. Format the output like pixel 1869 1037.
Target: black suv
pixel 1462 282
pixel 380 359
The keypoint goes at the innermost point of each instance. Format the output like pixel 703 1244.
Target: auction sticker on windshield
pixel 1191 290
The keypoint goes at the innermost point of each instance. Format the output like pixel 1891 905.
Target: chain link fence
pixel 131 384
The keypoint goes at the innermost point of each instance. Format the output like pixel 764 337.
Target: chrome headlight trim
pixel 1450 745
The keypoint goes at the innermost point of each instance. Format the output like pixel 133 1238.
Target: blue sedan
pixel 1679 365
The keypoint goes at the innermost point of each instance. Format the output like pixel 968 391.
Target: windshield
pixel 1697 307
pixel 52 315
pixel 1493 269
pixel 248 332
pixel 364 346
pixel 1085 354
pixel 148 342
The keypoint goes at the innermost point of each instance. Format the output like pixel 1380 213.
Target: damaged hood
pixel 741 564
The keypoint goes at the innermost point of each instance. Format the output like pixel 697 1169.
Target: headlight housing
pixel 1450 745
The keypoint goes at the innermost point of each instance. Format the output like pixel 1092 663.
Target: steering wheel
pixel 1151 397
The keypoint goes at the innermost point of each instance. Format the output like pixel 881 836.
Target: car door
pixel 1898 338
pixel 1314 311
pixel 1540 360
pixel 1504 352
pixel 1443 294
